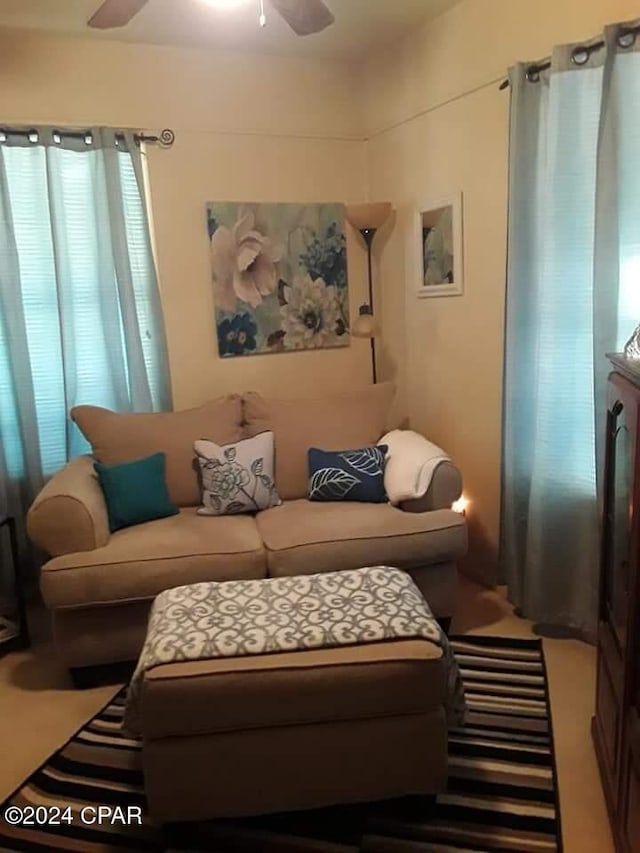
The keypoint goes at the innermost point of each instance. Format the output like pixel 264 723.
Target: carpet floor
pixel 502 792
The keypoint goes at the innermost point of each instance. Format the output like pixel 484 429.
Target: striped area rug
pixel 502 793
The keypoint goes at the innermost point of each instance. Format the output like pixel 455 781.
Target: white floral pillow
pixel 237 478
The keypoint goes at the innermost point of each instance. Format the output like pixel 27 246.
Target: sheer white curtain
pixel 80 313
pixel 573 294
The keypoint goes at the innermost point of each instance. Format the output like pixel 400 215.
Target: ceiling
pixel 361 25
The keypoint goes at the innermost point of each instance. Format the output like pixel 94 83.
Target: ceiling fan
pixel 305 17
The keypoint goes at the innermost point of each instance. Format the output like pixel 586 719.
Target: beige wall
pixel 436 123
pixel 248 128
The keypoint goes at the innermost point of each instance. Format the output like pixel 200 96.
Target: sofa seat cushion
pixel 302 537
pixel 139 562
pixel 293 688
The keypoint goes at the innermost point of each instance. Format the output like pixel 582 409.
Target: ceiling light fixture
pixel 226 4
pixel 305 17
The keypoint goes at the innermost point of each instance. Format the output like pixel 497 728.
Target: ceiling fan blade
pixel 115 13
pixel 305 17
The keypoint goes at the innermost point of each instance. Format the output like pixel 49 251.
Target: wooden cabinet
pixel 616 725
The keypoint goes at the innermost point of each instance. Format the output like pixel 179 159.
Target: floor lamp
pixel 367 219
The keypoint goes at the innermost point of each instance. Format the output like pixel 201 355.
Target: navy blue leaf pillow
pixel 348 475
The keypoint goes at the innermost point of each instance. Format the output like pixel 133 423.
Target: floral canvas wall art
pixel 279 275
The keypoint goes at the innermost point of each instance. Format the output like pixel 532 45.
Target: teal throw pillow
pixel 136 491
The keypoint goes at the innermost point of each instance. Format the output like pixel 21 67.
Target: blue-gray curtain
pixel 573 294
pixel 80 313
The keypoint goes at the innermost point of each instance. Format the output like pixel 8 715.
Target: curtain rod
pixel 165 138
pixel 625 38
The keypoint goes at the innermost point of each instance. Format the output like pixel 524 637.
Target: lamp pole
pixel 367 235
pixel 366 219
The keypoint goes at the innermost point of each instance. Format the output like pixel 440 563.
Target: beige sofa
pixel 99 586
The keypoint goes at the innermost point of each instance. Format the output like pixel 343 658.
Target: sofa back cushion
pixel 337 422
pixel 116 437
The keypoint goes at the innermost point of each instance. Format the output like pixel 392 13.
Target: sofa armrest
pixel 419 475
pixel 444 489
pixel 70 513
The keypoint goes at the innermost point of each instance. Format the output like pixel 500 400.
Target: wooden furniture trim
pixel 21 640
pixel 619 663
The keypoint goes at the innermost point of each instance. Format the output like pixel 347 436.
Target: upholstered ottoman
pixel 279 730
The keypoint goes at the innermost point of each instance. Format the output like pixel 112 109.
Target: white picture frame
pixel 439 248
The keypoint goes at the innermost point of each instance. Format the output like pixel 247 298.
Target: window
pixel 69 298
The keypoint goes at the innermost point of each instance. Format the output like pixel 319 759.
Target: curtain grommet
pixel 580 56
pixel 626 38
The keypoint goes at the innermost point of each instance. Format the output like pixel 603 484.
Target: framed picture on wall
pixel 438 240
pixel 279 274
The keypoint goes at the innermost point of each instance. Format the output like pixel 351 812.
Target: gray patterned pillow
pixel 237 478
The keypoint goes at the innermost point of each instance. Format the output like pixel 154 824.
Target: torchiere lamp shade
pixel 368 217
